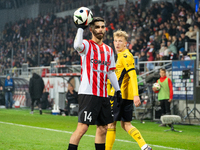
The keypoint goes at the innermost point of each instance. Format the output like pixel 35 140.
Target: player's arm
pixel 133 81
pixel 170 89
pixel 111 73
pixel 108 87
pixel 78 42
pixel 129 65
pixel 113 79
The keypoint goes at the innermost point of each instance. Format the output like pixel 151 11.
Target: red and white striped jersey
pixel 96 62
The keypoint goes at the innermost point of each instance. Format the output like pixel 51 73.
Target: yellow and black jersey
pixel 126 75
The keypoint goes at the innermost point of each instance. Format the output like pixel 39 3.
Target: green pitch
pixel 19 130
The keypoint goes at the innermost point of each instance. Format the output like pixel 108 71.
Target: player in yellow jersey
pixel 127 78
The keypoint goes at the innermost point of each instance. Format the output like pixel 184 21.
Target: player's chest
pixel 119 67
pixel 99 56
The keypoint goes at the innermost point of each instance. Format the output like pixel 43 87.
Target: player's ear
pixel 125 44
pixel 90 29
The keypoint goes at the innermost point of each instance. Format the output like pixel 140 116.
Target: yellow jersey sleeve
pixel 108 86
pixel 129 65
pixel 128 62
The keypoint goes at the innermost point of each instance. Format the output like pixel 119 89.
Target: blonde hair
pixel 120 33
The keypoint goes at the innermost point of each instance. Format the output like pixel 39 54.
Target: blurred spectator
pixel 189 20
pixel 172 56
pixel 182 41
pixel 196 29
pixel 1 88
pixel 166 53
pixel 36 87
pixel 68 62
pixel 71 96
pixel 175 41
pixel 9 88
pixel 185 56
pixel 172 48
pixel 191 34
pixel 2 101
pixel 142 57
pixel 151 57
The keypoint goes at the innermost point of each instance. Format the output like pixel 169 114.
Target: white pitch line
pixel 48 129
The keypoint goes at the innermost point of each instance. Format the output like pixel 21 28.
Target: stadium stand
pixel 157 33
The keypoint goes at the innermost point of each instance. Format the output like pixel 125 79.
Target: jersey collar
pixel 126 50
pixel 96 43
pixel 163 77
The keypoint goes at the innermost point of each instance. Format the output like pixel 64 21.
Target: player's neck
pixel 119 51
pixel 96 40
pixel 163 76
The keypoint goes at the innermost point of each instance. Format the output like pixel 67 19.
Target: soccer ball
pixel 157 86
pixel 83 16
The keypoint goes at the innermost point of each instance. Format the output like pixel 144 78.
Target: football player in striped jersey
pixel 97 64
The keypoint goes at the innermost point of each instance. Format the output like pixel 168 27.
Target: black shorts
pixel 123 112
pixel 94 110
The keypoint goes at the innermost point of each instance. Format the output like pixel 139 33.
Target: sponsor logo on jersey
pixel 96 61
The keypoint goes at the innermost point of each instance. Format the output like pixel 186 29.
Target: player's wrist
pixel 80 26
pixel 80 29
pixel 83 27
pixel 119 98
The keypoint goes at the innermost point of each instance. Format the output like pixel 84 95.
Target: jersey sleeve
pixel 85 48
pixel 128 62
pixel 112 61
pixel 108 86
pixel 170 88
pixel 79 44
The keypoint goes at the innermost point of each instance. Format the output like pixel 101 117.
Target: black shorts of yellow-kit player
pixel 124 111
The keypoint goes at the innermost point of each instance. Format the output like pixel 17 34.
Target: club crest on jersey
pixel 125 55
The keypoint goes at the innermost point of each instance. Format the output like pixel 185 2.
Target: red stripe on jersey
pixel 95 67
pixel 112 68
pixel 108 57
pixel 106 78
pixel 102 80
pixel 88 65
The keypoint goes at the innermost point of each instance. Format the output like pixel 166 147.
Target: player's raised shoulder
pixel 127 55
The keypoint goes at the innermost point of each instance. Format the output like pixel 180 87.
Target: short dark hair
pixel 97 19
pixel 162 69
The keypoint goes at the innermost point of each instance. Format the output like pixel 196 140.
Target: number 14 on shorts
pixel 87 116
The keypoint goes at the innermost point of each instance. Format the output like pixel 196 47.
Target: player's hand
pixel 119 98
pixel 137 102
pixel 154 89
pixel 80 26
pixel 170 100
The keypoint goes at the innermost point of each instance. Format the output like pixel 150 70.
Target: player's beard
pixel 98 35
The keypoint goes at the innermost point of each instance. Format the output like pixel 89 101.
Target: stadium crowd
pixel 157 33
